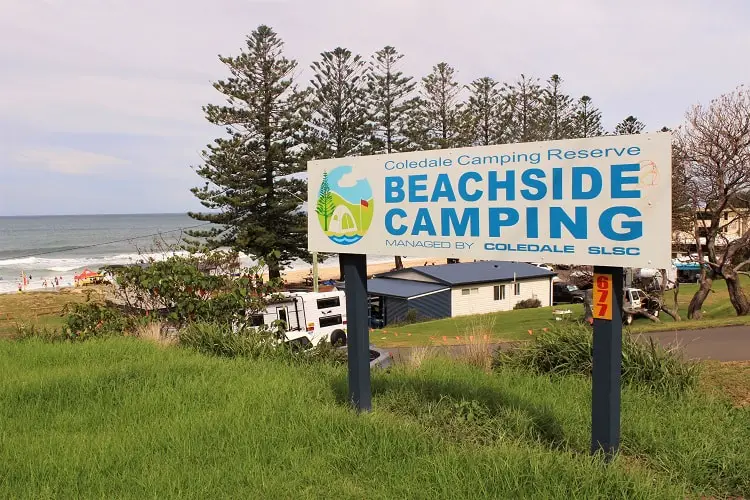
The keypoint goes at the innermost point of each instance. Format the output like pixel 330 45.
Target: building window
pixel 516 289
pixel 499 292
pixel 475 291
pixel 469 291
pixel 256 320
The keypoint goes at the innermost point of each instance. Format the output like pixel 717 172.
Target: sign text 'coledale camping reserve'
pixel 597 201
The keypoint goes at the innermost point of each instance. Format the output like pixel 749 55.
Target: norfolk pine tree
pixel 483 116
pixel 523 104
pixel 587 119
pixel 557 110
pixel 630 125
pixel 390 102
pixel 247 190
pixel 437 121
pixel 338 124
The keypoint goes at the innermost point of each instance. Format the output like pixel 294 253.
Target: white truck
pixel 309 317
pixel 637 302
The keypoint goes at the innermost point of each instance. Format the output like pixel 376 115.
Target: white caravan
pixel 308 316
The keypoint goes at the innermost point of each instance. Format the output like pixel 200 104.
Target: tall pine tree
pixel 338 123
pixel 390 102
pixel 484 117
pixel 587 120
pixel 630 125
pixel 523 103
pixel 436 123
pixel 247 190
pixel 557 110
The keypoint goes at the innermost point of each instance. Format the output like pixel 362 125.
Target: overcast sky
pixel 100 100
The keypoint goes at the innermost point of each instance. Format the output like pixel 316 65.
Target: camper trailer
pixel 309 317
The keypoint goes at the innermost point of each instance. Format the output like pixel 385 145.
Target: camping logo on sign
pixel 344 206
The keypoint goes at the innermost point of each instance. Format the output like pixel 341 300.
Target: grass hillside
pixel 123 418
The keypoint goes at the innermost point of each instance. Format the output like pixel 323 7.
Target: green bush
pixel 528 304
pixel 566 350
pixel 92 319
pixel 32 331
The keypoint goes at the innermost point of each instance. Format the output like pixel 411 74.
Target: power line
pixel 37 254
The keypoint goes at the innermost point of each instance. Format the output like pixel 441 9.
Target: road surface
pixel 731 343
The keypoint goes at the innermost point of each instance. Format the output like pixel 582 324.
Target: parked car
pixel 544 266
pixel 566 292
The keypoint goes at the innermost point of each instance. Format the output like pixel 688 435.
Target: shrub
pixel 221 340
pixel 412 316
pixel 31 331
pixel 528 304
pixel 92 319
pixel 181 290
pixel 566 350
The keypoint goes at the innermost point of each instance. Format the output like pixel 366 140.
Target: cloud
pixel 348 180
pixel 69 161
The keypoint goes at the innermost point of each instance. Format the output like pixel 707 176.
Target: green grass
pixel 124 418
pixel 515 325
pixel 506 325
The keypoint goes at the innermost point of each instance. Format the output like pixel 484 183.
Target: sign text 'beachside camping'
pixel 598 201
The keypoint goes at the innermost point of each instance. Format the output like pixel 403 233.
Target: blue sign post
pixel 607 360
pixel 358 332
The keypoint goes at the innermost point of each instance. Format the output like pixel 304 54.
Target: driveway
pixel 728 343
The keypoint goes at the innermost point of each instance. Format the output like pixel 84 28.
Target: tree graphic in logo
pixel 325 206
pixel 344 206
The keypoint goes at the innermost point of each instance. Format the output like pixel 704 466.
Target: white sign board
pixel 597 201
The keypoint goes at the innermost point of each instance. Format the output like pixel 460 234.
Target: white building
pixel 461 289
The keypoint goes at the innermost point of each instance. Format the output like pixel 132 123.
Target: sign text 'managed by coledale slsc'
pixel 597 201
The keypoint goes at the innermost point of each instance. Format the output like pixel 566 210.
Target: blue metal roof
pixel 401 288
pixel 465 273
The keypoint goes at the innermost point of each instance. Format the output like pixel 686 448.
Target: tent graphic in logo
pixel 344 205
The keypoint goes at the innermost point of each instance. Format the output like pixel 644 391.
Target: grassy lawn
pixel 507 325
pixel 123 418
pixel 515 325
pixel 42 309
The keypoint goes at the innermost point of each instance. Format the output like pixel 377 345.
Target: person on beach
pixel 57 283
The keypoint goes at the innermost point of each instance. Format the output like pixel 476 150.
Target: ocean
pixel 45 247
